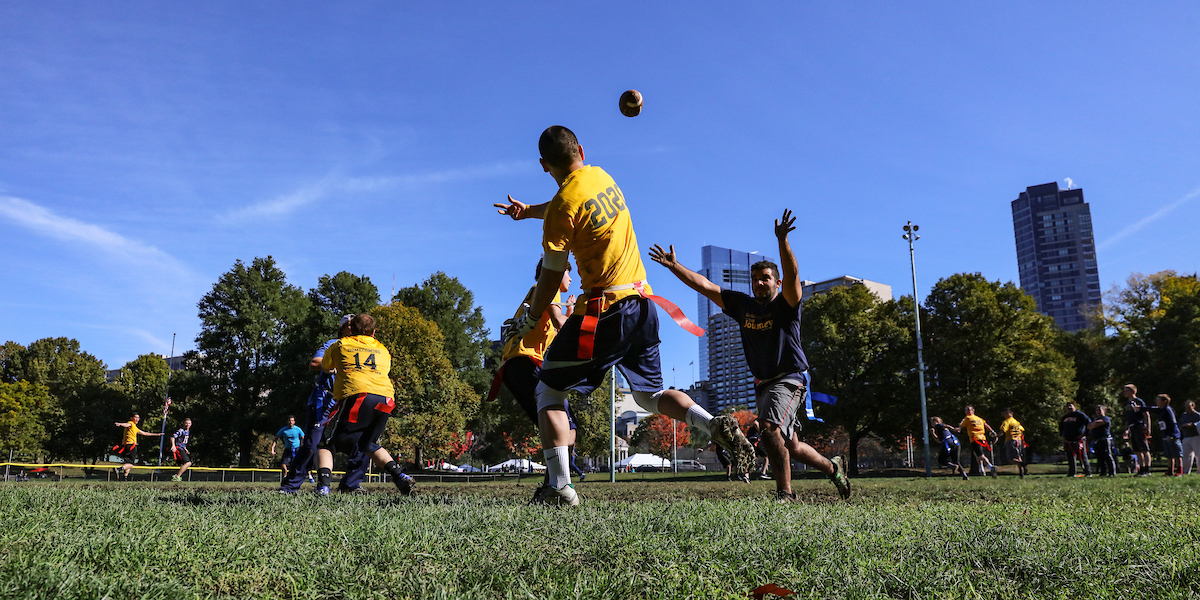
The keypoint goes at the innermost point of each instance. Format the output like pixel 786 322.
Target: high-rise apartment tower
pixel 1056 253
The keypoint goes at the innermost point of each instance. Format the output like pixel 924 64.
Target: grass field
pixel 1043 537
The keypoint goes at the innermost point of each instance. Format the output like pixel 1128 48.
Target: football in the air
pixel 631 103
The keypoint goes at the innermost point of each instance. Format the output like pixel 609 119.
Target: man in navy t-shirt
pixel 770 328
pixel 1100 435
pixel 1072 427
pixel 1168 429
pixel 1137 427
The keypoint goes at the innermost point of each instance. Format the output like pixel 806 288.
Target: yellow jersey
pixel 362 365
pixel 974 427
pixel 588 218
pixel 535 342
pixel 1012 430
pixel 129 436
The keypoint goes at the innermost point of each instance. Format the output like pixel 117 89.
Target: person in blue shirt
pixel 179 444
pixel 950 447
pixel 291 436
pixel 1100 434
pixel 1168 430
pixel 1189 435
pixel 321 405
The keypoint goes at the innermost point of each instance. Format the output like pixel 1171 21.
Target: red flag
pixel 166 406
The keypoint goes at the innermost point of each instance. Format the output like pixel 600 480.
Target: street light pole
pixel 910 235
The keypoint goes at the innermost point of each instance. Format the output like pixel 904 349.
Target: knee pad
pixel 647 400
pixel 548 396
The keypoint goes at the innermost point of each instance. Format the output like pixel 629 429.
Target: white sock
pixel 558 466
pixel 697 417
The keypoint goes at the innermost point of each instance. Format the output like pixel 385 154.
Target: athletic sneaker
pixel 992 472
pixel 784 498
pixel 964 474
pixel 176 478
pixel 322 491
pixel 405 483
pixel 726 432
pixel 564 496
pixel 840 478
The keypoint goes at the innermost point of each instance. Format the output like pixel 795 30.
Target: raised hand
pixel 663 257
pixel 514 209
pixel 785 225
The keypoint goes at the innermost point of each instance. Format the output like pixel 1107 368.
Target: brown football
pixel 631 103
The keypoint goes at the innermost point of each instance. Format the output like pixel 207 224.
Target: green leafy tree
pixel 22 411
pixel 9 353
pixel 433 403
pixel 862 351
pixel 988 346
pixel 143 381
pixel 448 303
pixel 1092 353
pixel 75 381
pixel 593 416
pixel 246 380
pixel 1156 341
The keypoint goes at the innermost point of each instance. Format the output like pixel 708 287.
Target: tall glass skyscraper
pixel 722 363
pixel 1056 253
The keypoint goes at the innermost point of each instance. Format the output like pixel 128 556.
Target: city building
pixel 725 378
pixel 1056 253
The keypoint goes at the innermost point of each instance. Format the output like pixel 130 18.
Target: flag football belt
pixel 498 378
pixel 123 448
pixel 983 443
pixel 595 302
pixel 385 408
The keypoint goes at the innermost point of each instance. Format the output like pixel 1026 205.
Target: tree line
pixel 985 345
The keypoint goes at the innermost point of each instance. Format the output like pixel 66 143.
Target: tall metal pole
pixel 612 426
pixel 166 398
pixel 910 234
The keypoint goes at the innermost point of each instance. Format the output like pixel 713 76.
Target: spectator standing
pixel 1100 435
pixel 1073 427
pixel 1189 436
pixel 1137 427
pixel 1168 430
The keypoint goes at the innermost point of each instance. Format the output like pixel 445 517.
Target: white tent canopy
pixel 517 464
pixel 644 460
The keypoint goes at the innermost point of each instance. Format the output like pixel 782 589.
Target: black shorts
pixel 128 453
pixel 951 451
pixel 521 378
pixel 626 336
pixel 181 456
pixel 359 423
pixel 1138 441
pixel 977 449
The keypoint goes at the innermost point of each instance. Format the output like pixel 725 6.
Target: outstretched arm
pixel 791 280
pixel 520 210
pixel 150 434
pixel 121 424
pixel 693 279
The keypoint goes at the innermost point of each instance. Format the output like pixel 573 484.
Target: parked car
pixel 689 465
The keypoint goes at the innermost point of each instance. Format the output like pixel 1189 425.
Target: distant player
pixel 291 436
pixel 1073 428
pixel 950 448
pixel 1100 435
pixel 522 357
pixel 1137 428
pixel 1014 441
pixel 365 401
pixel 127 450
pixel 978 432
pixel 179 444
pixel 1168 429
pixel 321 405
pixel 770 332
pixel 588 217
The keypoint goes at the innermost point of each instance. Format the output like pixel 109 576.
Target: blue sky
pixel 144 147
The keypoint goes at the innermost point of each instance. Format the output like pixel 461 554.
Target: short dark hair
pixel 362 324
pixel 292 417
pixel 763 265
pixel 537 273
pixel 559 146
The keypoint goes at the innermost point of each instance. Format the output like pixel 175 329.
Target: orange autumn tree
pixel 654 433
pixel 744 418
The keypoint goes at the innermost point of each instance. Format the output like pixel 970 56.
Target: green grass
pixel 1043 537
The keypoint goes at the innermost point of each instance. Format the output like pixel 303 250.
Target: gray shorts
pixel 1015 450
pixel 779 403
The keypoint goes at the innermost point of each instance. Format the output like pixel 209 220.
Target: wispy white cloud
pixel 295 200
pixel 45 222
pixel 1142 224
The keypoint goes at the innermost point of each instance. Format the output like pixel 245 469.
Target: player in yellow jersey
pixel 1014 441
pixel 127 450
pixel 588 217
pixel 364 393
pixel 977 432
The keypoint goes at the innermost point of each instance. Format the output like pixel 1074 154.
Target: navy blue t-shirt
pixel 944 435
pixel 1073 426
pixel 1167 427
pixel 1135 410
pixel 1187 424
pixel 770 334
pixel 1102 432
